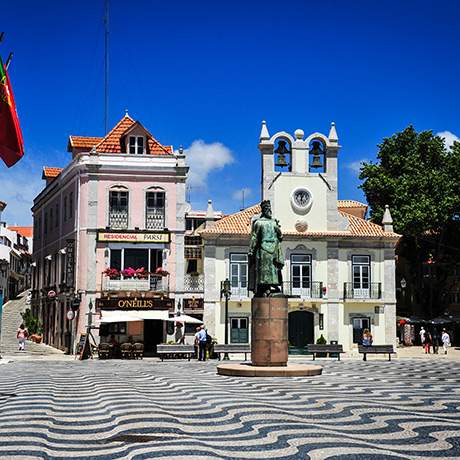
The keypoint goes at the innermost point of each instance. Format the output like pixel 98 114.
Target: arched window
pixel 317 156
pixel 283 154
pixel 118 207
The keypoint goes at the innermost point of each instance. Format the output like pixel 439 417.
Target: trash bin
pixel 333 355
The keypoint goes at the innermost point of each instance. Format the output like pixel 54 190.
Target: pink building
pixel 109 229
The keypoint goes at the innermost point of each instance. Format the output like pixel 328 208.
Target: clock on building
pixel 301 200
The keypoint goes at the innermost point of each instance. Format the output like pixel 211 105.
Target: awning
pixel 119 316
pixel 185 319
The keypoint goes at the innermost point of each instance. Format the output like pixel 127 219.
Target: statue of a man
pixel 265 256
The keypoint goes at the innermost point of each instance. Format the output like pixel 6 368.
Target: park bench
pixel 175 351
pixel 376 350
pixel 232 348
pixel 325 348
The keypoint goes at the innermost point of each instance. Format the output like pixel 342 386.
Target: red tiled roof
pixel 51 173
pixel 240 222
pixel 111 143
pixel 350 204
pixel 23 231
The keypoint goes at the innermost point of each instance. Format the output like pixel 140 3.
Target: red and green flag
pixel 11 143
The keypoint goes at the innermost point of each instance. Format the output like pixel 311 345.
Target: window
pixel 71 205
pixel 239 274
pixel 301 275
pixel 361 272
pixel 155 210
pixel 239 330
pixel 118 209
pixel 65 208
pixel 136 145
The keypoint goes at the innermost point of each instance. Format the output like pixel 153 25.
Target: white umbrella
pixel 185 319
pixel 118 317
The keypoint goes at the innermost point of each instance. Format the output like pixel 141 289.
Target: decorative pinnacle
pixel 333 134
pixel 264 135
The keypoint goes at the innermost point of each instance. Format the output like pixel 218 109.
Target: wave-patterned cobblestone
pixel 172 410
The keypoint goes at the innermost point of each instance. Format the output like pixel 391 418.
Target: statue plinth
pixel 269 331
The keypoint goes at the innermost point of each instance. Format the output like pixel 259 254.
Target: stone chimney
pixel 387 220
pixel 210 220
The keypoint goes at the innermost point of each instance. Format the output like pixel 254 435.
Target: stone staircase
pixel 11 320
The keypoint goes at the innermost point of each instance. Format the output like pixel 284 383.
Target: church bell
pixel 281 151
pixel 316 151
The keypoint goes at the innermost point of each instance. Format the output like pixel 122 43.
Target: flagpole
pixel 106 68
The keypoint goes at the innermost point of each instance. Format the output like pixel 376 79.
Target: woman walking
pixel 22 335
pixel 428 342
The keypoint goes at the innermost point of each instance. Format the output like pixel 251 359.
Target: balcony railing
pixel 193 283
pixel 155 219
pixel 151 283
pixel 239 291
pixel 118 219
pixel 371 291
pixel 295 289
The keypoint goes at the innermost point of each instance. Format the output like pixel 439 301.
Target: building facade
pixel 109 231
pixel 339 272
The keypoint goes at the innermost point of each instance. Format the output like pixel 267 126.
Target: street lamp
pixel 3 270
pixel 225 290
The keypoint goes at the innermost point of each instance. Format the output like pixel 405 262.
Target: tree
pixel 418 177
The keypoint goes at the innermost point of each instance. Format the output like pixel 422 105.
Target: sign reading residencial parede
pixel 134 237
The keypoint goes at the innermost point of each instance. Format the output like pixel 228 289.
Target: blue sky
pixel 206 74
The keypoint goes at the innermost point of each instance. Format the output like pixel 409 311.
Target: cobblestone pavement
pixel 176 409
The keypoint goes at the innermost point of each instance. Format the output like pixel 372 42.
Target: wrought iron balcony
pixel 151 283
pixel 239 291
pixel 193 283
pixel 314 290
pixel 371 291
pixel 118 219
pixel 155 219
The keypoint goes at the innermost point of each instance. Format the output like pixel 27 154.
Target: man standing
pixel 265 256
pixel 422 336
pixel 445 341
pixel 200 340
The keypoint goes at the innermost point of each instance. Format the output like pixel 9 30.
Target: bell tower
pixel 299 177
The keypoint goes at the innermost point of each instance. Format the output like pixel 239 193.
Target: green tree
pixel 418 177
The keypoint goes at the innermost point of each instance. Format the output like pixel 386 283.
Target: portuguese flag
pixel 11 143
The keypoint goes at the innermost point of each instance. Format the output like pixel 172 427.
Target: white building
pixel 339 270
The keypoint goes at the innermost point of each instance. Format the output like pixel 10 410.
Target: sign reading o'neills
pixel 134 237
pixel 129 303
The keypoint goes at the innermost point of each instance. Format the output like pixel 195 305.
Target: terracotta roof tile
pixel 342 204
pixel 23 231
pixel 51 173
pixel 111 143
pixel 240 222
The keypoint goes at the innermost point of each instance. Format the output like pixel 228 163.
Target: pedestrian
pixel 445 338
pixel 367 338
pixel 428 341
pixel 22 335
pixel 435 339
pixel 197 341
pixel 200 338
pixel 422 336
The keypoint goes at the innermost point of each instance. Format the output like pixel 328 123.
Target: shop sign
pixel 134 237
pixel 70 263
pixel 129 303
pixel 193 304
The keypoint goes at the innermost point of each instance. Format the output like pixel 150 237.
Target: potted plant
pixel 112 273
pixel 33 326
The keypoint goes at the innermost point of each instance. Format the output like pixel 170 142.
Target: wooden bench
pixel 175 351
pixel 232 348
pixel 376 350
pixel 316 348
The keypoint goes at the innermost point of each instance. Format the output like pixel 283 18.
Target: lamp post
pixel 3 270
pixel 225 290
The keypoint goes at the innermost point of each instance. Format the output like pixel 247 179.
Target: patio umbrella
pixel 185 319
pixel 440 321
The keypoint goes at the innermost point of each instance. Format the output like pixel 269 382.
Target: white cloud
pixel 241 193
pixel 449 138
pixel 204 158
pixel 355 166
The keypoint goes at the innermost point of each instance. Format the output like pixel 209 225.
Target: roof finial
pixel 387 220
pixel 264 136
pixel 126 113
pixel 181 149
pixel 333 134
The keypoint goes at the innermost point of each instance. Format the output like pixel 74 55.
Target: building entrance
pixel 153 335
pixel 300 330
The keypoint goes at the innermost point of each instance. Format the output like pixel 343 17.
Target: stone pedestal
pixel 269 331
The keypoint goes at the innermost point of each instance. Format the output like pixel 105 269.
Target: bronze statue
pixel 265 256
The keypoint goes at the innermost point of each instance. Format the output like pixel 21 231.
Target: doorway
pixel 153 335
pixel 300 330
pixel 359 324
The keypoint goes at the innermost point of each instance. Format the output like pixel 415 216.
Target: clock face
pixel 301 200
